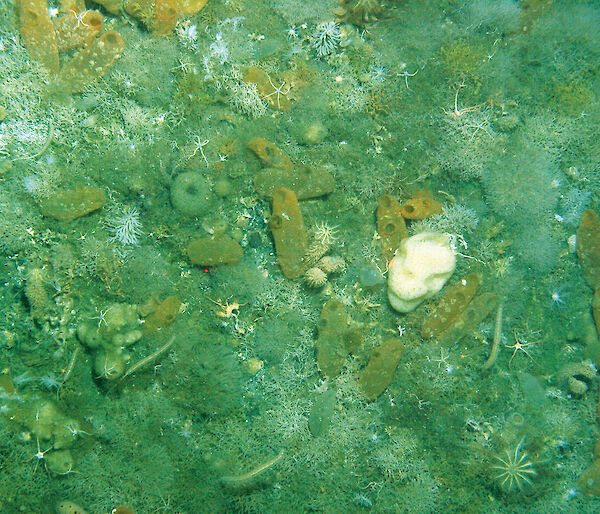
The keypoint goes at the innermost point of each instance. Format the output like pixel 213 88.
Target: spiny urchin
pixel 332 264
pixel 315 278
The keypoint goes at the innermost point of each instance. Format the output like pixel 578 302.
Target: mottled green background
pixel 515 162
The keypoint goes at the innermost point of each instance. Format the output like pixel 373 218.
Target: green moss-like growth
pixel 192 91
pixel 572 96
pixel 211 379
pixel 462 56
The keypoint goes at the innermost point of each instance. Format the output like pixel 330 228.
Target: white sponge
pixel 420 268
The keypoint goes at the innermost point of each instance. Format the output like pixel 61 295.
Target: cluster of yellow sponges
pixel 160 16
pixel 76 27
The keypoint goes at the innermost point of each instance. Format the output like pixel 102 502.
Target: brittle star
pixel 442 360
pixel 228 310
pixel 519 346
pixel 108 372
pixel 79 18
pixel 459 112
pixel 278 90
pixel 74 429
pixel 184 66
pixel 39 455
pixel 479 126
pixel 405 74
pixel 101 317
pixel 199 147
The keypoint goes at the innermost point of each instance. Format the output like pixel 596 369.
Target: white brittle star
pixel 101 317
pixel 442 360
pixel 519 346
pixel 278 91
pixel 39 455
pixel 199 148
pixel 79 18
pixel 405 74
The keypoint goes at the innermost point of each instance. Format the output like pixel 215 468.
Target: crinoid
pixel 514 470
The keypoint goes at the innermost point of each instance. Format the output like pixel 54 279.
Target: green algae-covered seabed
pixel 178 334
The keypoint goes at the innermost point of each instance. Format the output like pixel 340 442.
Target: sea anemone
pixel 514 470
pixel 50 382
pixel 126 227
pixel 326 38
pixel 558 296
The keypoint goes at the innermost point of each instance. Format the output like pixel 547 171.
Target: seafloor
pixel 158 353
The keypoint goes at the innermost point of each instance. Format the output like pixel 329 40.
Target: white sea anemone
pixel 126 227
pixel 326 38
